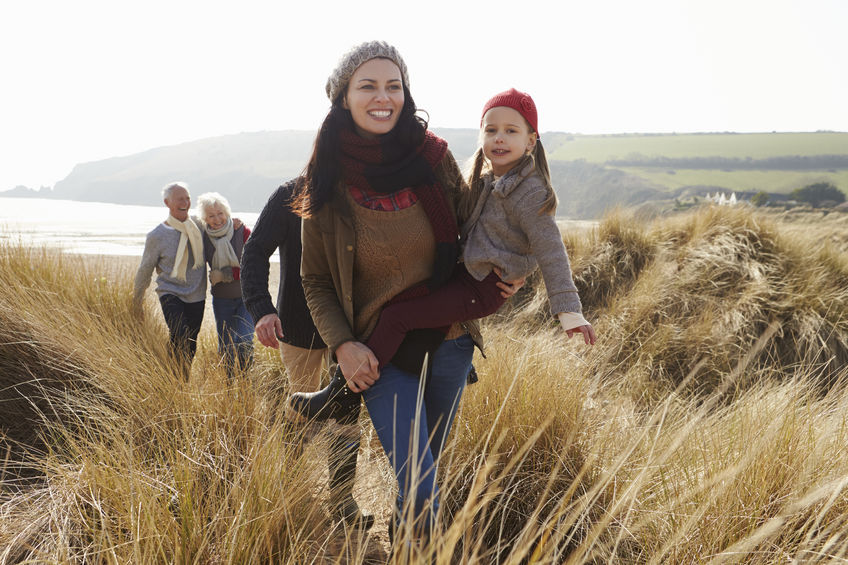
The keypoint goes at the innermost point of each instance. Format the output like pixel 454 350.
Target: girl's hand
pixel 508 288
pixel 588 333
pixel 358 364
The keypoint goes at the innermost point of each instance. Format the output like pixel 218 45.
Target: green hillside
pixel 751 162
pixel 778 181
pixel 602 148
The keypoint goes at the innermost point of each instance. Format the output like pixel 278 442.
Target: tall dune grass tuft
pixel 716 316
pixel 708 425
pixel 127 463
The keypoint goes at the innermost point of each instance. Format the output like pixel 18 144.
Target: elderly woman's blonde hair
pixel 210 199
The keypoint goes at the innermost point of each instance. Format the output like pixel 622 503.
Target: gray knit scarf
pixel 224 257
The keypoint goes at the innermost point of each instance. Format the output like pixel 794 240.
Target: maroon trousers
pixel 460 299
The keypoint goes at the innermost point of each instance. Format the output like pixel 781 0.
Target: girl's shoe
pixel 336 401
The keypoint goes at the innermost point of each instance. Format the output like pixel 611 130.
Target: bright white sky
pixel 84 80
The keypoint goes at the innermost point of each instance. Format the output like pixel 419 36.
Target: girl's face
pixel 216 217
pixel 375 97
pixel 506 138
pixel 179 203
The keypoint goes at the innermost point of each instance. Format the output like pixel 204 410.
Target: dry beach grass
pixel 708 425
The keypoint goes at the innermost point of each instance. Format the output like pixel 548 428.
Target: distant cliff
pixel 244 167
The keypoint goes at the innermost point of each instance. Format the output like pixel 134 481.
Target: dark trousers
pixel 460 299
pixel 183 320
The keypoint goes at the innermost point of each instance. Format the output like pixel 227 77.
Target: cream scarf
pixel 224 256
pixel 189 233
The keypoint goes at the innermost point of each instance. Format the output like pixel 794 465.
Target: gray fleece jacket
pixel 160 252
pixel 506 231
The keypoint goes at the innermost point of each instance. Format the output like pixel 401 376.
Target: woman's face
pixel 375 97
pixel 216 217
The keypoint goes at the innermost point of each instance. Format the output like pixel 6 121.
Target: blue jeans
pixel 235 333
pixel 392 402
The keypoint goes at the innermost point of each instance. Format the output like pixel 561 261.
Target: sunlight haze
pixel 90 80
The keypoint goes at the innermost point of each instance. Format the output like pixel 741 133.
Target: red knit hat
pixel 518 101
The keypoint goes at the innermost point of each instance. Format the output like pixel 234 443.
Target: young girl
pixel 510 232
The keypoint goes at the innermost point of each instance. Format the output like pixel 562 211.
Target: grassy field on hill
pixel 782 182
pixel 602 148
pixel 707 425
pixel 763 175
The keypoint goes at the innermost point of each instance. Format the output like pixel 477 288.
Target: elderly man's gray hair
pixel 169 188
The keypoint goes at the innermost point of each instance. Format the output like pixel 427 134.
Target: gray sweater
pixel 506 231
pixel 160 251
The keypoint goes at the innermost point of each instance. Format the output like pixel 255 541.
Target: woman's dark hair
pixel 323 171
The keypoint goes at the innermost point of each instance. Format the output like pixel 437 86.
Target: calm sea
pixel 84 227
pixel 99 228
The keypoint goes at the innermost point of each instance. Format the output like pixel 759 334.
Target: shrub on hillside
pixel 818 194
pixel 761 198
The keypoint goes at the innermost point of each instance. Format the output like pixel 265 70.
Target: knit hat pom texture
pixel 350 61
pixel 519 101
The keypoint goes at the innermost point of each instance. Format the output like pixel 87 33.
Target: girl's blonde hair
pixel 480 166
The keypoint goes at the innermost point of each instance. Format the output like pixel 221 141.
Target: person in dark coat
pixel 289 328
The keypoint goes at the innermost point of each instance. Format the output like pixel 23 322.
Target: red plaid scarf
pixel 393 202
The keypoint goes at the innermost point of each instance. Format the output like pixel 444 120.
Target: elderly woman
pixel 222 247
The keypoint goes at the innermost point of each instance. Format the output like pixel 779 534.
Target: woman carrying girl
pixel 510 232
pixel 380 200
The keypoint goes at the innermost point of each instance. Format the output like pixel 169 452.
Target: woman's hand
pixel 358 364
pixel 508 288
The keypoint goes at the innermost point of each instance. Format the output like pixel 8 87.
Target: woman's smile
pixel 380 114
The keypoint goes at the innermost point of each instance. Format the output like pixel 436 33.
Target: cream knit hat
pixel 351 60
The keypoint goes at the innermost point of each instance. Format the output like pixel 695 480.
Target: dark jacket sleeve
pixel 267 236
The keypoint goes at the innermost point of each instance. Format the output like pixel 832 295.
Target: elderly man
pixel 174 249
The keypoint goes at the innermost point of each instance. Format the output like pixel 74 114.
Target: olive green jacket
pixel 328 253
